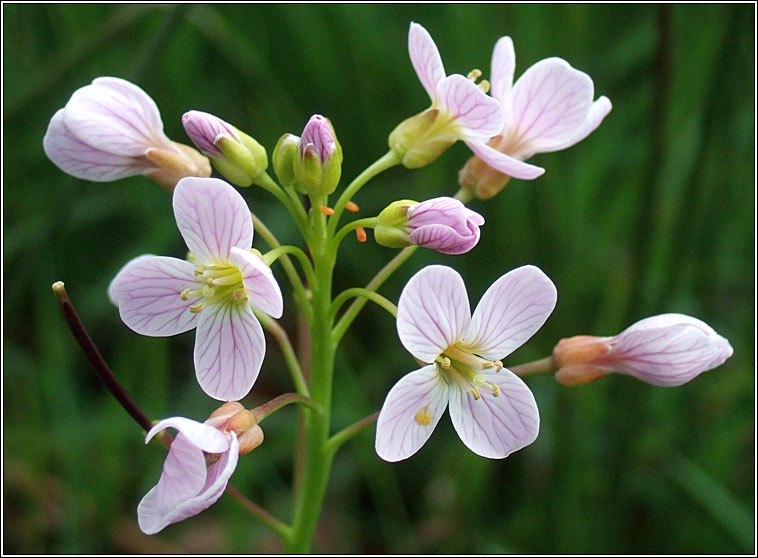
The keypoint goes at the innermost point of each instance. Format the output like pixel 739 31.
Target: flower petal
pixel 410 413
pixel 504 163
pixel 229 350
pixel 81 160
pixel 492 426
pixel 426 59
pixel 480 115
pixel 212 217
pixel 148 291
pixel 445 239
pixel 204 436
pixel 548 106
pixel 433 312
pixel 263 291
pixel 510 312
pixel 117 116
pixel 668 350
pixel 503 66
pixel 598 112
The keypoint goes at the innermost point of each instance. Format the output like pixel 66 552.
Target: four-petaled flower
pixel 112 129
pixel 549 108
pixel 492 409
pixel 663 350
pixel 215 292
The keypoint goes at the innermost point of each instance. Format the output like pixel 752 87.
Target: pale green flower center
pixel 460 366
pixel 216 283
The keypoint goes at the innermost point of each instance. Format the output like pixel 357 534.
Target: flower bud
pixel 664 350
pixel 233 417
pixel 442 224
pixel 420 139
pixel 234 154
pixel 286 152
pixel 319 166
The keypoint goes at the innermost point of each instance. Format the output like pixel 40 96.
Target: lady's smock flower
pixel 460 110
pixel 215 292
pixel 664 350
pixel 443 224
pixel 549 108
pixel 112 129
pixel 199 463
pixel 492 409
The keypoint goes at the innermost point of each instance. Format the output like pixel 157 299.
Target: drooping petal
pixel 480 115
pixel 116 116
pixel 212 217
pixel 263 291
pixel 504 163
pixel 548 106
pixel 598 112
pixel 410 413
pixel 668 350
pixel 229 350
pixel 148 291
pixel 510 312
pixel 425 58
pixel 503 66
pixel 492 426
pixel 433 312
pixel 204 436
pixel 183 476
pixel 81 160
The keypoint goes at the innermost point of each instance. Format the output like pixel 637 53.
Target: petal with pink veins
pixel 548 105
pixel 503 66
pixel 148 291
pixel 598 112
pixel 495 427
pixel 212 218
pixel 433 312
pixel 480 115
pixel 116 116
pixel 229 350
pixel 510 312
pixel 504 163
pixel 263 291
pixel 445 239
pixel 410 413
pixel 426 59
pixel 204 436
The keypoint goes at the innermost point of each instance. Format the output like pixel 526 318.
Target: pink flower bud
pixel 444 224
pixel 204 130
pixel 318 136
pixel 664 350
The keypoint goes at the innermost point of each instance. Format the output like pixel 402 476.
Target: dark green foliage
pixel 652 213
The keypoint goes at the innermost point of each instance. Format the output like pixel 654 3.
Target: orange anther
pixel 360 232
pixel 352 206
pixel 326 210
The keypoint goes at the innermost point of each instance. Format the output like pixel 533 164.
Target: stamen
pixel 185 294
pixel 498 365
pixel 352 206
pixel 191 258
pixel 443 361
pixel 360 232
pixel 484 85
pixel 239 294
pixel 199 270
pixel 474 75
pixel 475 392
pixel 196 308
pixel 326 210
pixel 208 290
pixel 229 279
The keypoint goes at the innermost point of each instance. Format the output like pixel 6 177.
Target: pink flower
pixel 460 111
pixel 442 224
pixel 112 129
pixel 215 292
pixel 664 350
pixel 548 109
pixel 492 409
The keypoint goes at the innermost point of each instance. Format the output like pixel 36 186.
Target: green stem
pixel 276 525
pixel 270 407
pixel 378 280
pixel 464 195
pixel 386 161
pixel 334 443
pixel 360 291
pixel 368 222
pixel 273 255
pixel 295 209
pixel 542 366
pixel 290 357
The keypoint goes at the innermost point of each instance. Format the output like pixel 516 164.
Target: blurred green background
pixel 653 213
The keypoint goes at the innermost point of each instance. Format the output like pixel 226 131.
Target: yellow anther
pixel 495 390
pixel 185 294
pixel 474 75
pixel 475 392
pixel 199 270
pixel 195 308
pixel 443 361
pixel 211 458
pixel 498 365
pixel 424 416
pixel 484 85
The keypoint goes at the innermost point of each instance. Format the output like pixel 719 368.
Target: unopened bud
pixel 319 166
pixel 392 225
pixel 284 157
pixel 250 439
